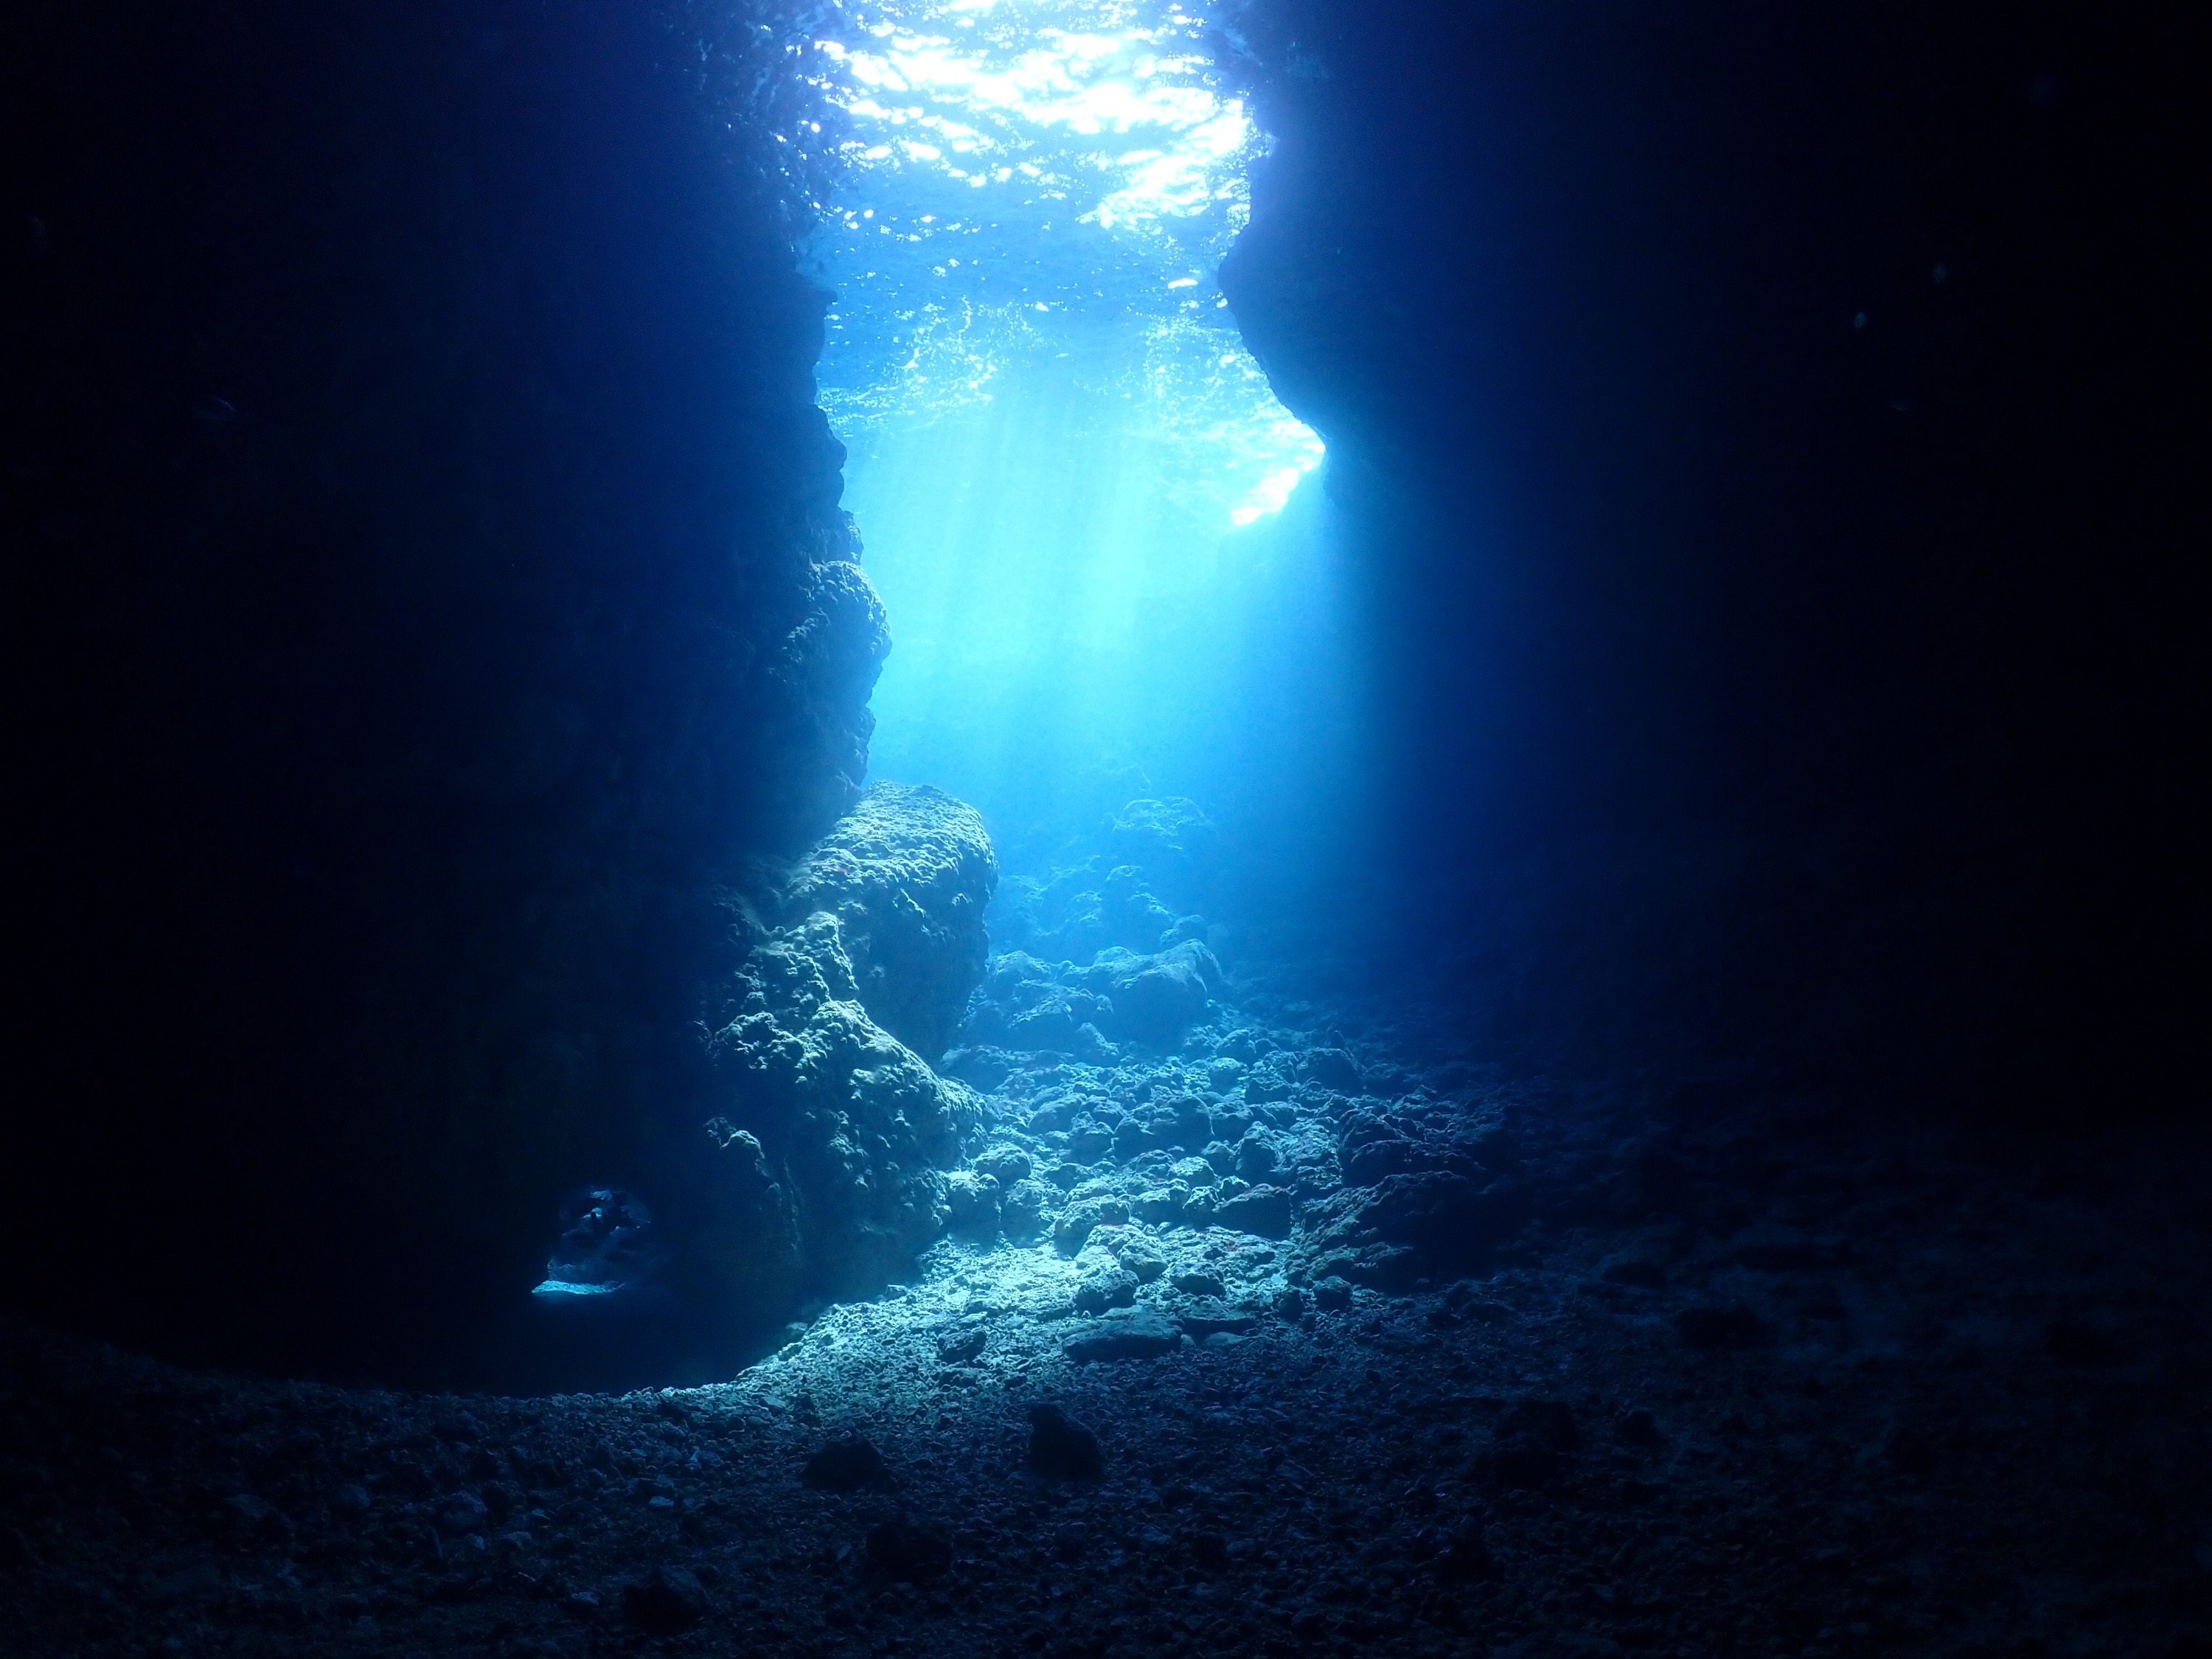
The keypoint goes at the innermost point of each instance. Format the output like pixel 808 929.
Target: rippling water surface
pixel 1044 189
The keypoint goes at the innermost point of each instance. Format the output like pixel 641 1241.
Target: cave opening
pixel 678 653
pixel 1070 475
pixel 1116 714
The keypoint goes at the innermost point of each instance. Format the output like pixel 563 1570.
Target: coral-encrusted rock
pixel 853 1127
pixel 907 873
pixel 1155 999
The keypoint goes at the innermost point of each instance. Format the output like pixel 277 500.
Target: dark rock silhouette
pixel 1061 1448
pixel 847 1466
pixel 667 1603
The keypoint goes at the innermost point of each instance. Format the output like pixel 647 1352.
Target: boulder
pixel 972 1204
pixel 1140 1335
pixel 1133 1251
pixel 1061 1448
pixel 1333 1068
pixel 1023 1207
pixel 1079 1220
pixel 1155 999
pixel 1107 1284
pixel 847 1465
pixel 909 874
pixel 899 1549
pixel 1170 839
pixel 666 1602
pixel 1264 1211
pixel 1256 1158
pixel 1006 1164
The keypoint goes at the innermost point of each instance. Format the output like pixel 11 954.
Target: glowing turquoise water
pixel 1066 466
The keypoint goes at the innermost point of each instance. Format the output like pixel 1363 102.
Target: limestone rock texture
pixel 909 874
pixel 841 1176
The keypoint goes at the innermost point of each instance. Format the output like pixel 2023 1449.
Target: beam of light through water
pixel 1067 470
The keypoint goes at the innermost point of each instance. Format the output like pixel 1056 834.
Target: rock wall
pixel 827 1170
pixel 1759 435
pixel 426 591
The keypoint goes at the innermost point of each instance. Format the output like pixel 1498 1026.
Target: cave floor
pixel 1965 1415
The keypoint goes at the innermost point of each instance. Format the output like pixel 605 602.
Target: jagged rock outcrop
pixel 909 874
pixel 831 1167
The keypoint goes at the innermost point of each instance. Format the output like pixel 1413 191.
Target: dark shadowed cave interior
pixel 1581 1032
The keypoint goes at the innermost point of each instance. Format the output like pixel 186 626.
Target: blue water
pixel 1097 531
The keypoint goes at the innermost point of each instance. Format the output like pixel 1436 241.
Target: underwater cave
pixel 1105 827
